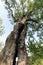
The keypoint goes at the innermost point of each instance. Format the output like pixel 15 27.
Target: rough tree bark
pixel 7 54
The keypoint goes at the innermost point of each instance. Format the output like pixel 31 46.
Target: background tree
pixel 1 46
pixel 1 26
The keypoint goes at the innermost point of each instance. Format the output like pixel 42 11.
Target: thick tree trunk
pixel 7 54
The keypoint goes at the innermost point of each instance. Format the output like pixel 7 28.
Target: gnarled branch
pixel 32 20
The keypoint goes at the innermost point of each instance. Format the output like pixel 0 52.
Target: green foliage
pixel 30 6
pixel 38 9
pixel 36 57
pixel 1 20
pixel 18 7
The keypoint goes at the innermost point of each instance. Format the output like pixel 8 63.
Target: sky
pixel 8 27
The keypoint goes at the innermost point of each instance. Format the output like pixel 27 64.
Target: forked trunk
pixel 7 54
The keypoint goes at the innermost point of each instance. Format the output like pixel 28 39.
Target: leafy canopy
pixel 18 8
pixel 1 27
